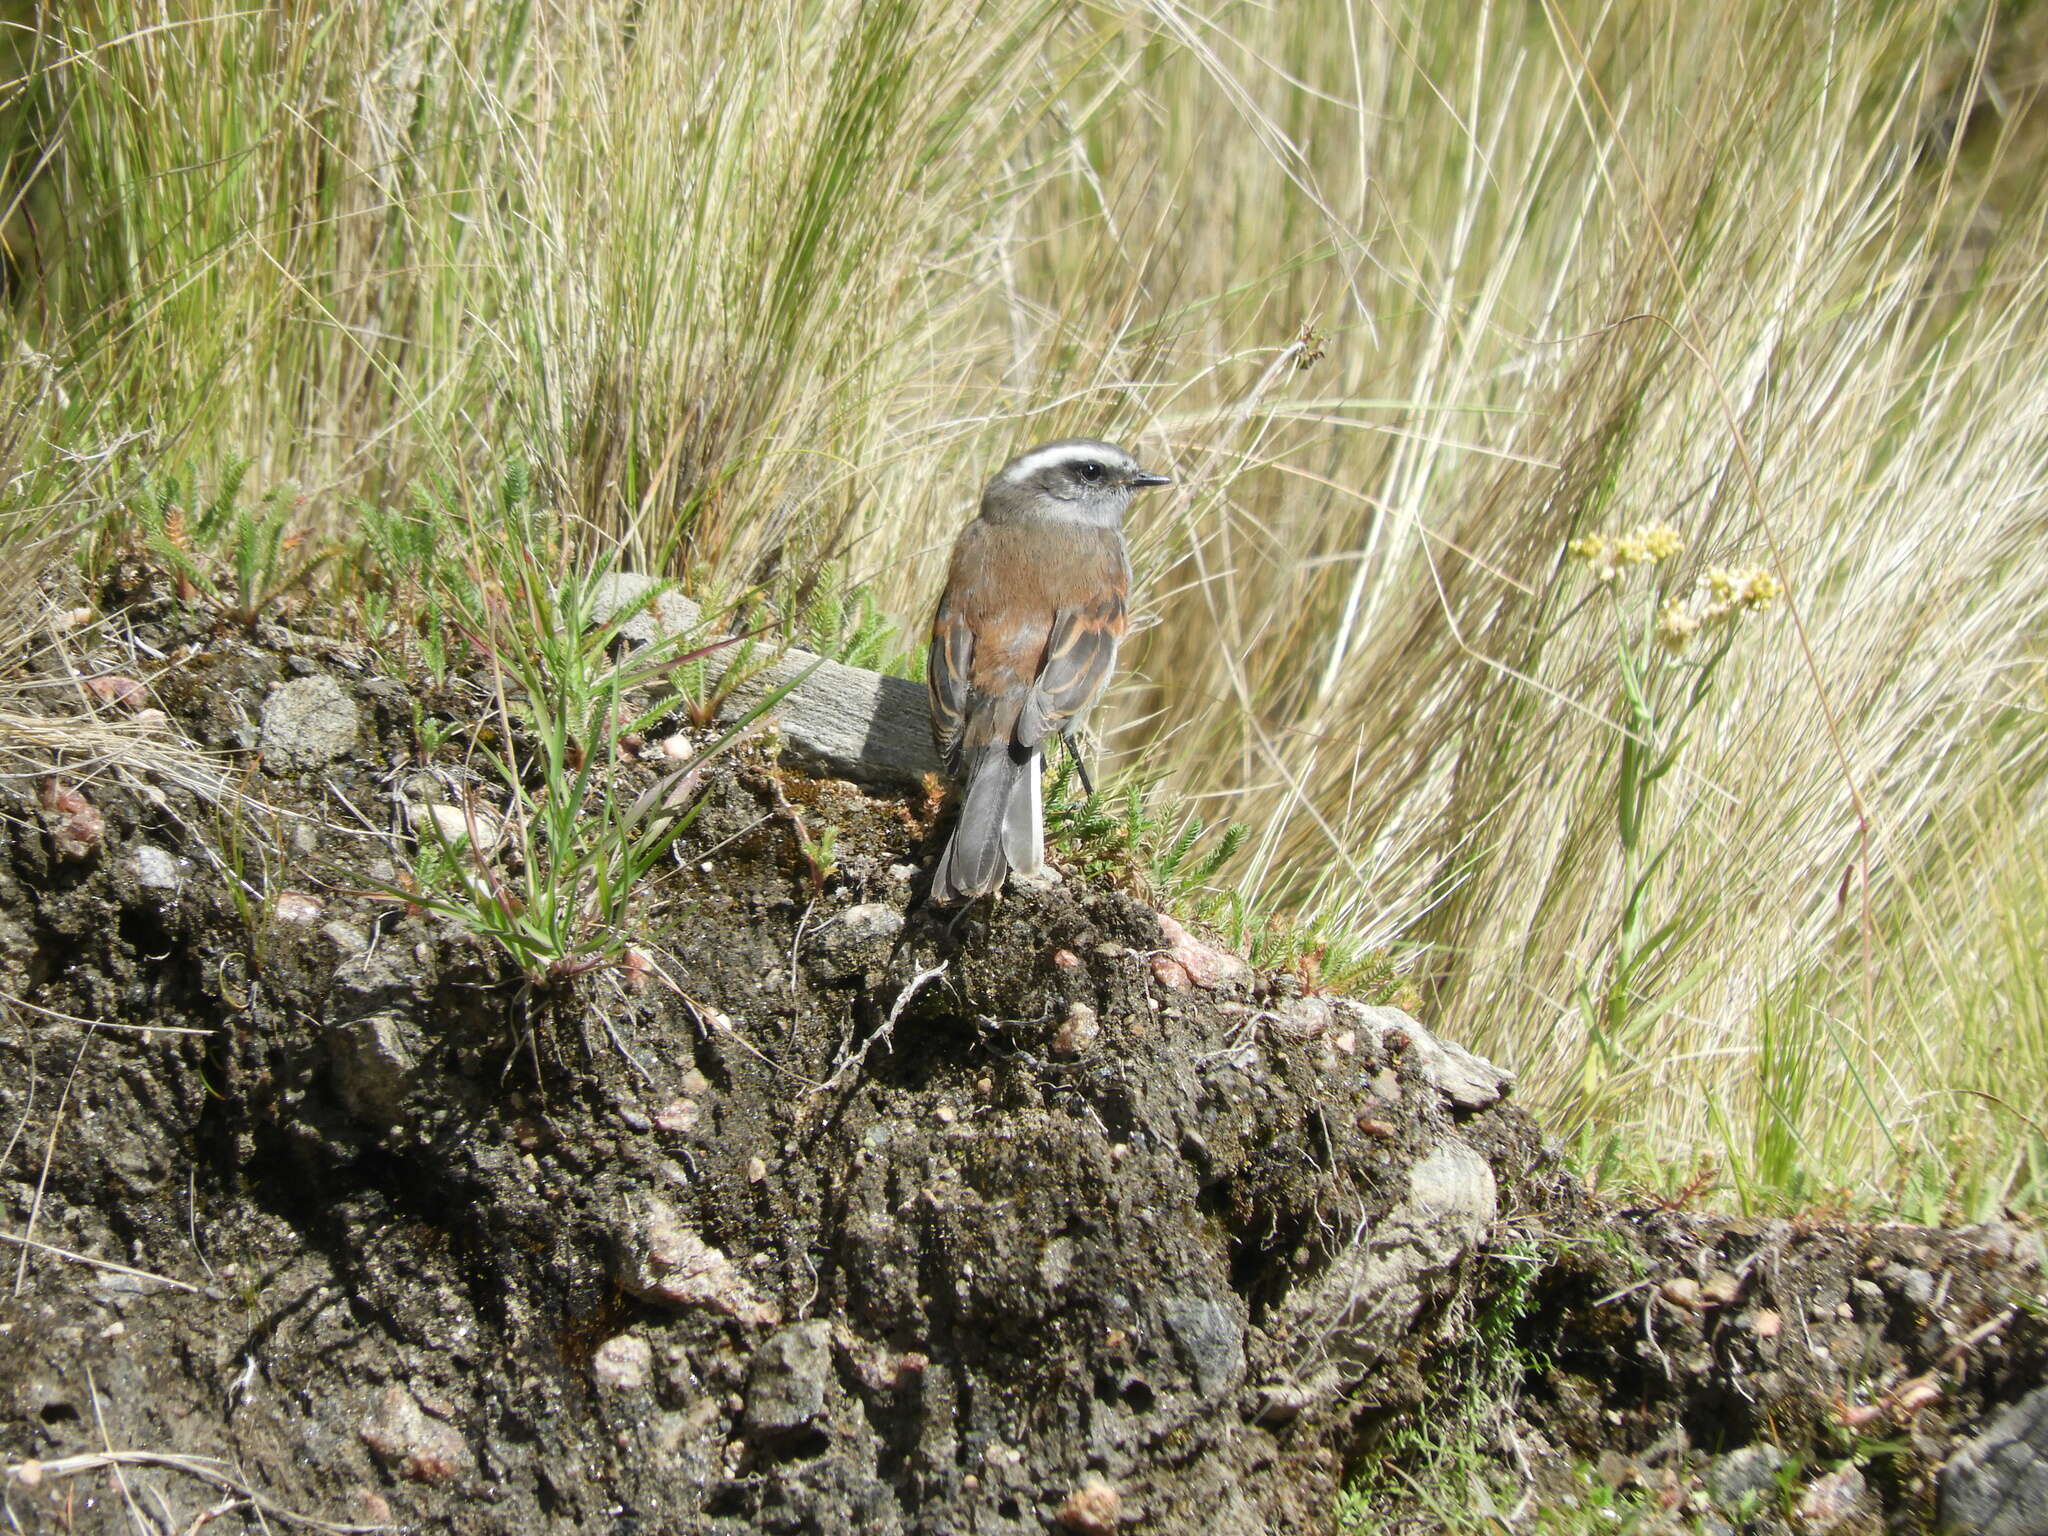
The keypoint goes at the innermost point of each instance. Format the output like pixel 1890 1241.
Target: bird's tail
pixel 1001 826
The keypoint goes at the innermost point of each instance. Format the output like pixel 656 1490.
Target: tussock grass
pixel 1407 296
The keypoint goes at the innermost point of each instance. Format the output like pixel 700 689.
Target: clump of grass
pixel 551 866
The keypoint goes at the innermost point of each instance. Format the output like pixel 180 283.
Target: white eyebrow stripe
pixel 1044 458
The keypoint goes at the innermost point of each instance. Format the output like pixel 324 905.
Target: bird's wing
pixel 947 669
pixel 1079 656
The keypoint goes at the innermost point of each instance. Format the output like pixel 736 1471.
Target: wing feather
pixel 1080 654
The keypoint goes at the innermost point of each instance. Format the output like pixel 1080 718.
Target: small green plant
pixel 850 627
pixel 405 560
pixel 820 853
pixel 1105 834
pixel 1176 865
pixel 1119 831
pixel 1117 834
pixel 429 733
pixel 1668 649
pixel 237 558
pixel 1325 954
pixel 713 676
pixel 550 876
pixel 1434 1471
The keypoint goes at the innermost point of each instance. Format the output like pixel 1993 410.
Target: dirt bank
pixel 823 1214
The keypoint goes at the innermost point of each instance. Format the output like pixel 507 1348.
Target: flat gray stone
pixel 307 724
pixel 374 1060
pixel 1997 1484
pixel 155 870
pixel 848 721
pixel 664 612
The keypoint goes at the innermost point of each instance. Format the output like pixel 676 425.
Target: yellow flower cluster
pixel 1646 544
pixel 1717 597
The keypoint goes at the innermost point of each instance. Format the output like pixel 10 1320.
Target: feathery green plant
pixel 239 560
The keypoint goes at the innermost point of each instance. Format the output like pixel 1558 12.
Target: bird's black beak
pixel 1144 478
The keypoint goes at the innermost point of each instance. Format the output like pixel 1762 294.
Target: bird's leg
pixel 1080 766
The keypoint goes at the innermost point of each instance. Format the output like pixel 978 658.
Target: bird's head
pixel 1074 480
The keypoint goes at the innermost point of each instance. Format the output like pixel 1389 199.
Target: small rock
pixel 125 691
pixel 757 1170
pixel 1916 1285
pixel 1682 1292
pixel 662 1259
pixel 1765 1323
pixel 375 1057
pixel 1077 1033
pixel 853 942
pixel 1836 1502
pixel 661 611
pixel 623 1364
pixel 1210 1340
pixel 787 1379
pixel 1466 1081
pixel 1721 1289
pixel 677 1115
pixel 1753 1470
pixel 372 1506
pixel 1186 962
pixel 298 907
pixel 307 724
pixel 1065 959
pixel 155 870
pixel 1915 1395
pixel 1056 1263
pixel 1093 1509
pixel 639 969
pixel 458 824
pixel 410 1444
pixel 1304 1018
pixel 75 823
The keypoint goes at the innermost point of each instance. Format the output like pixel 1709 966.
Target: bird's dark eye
pixel 1091 471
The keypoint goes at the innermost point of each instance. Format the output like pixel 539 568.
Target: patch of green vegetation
pixel 1438 1470
pixel 548 862
pixel 1126 834
pixel 239 559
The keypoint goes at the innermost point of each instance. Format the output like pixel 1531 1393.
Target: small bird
pixel 1024 638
